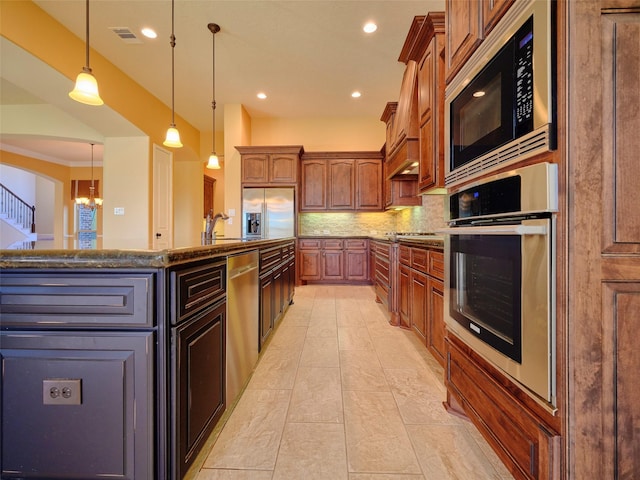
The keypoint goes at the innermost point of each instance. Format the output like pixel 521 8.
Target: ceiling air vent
pixel 125 34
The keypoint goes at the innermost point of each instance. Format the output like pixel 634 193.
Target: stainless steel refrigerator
pixel 268 212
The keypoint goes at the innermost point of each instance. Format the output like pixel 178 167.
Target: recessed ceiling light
pixel 369 27
pixel 149 32
pixel 262 96
pixel 356 94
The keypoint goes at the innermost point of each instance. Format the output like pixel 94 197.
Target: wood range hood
pixel 402 117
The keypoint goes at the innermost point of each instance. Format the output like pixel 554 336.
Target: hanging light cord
pixel 214 29
pixel 92 185
pixel 173 46
pixel 87 68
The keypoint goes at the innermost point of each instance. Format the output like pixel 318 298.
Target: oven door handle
pixel 496 230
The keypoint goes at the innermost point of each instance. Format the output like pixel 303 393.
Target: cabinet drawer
pixel 382 250
pixel 310 243
pixel 356 244
pixel 269 258
pixel 404 254
pixel 193 289
pixel 76 299
pixel 332 244
pixel 436 264
pixel 419 259
pixel 382 271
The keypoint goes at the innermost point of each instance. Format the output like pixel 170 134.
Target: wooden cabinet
pixel 512 423
pixel 93 333
pixel 333 260
pixel 382 251
pixel 492 12
pixel 464 33
pixel 341 181
pixel 209 184
pixel 342 184
pixel 313 185
pixel 600 247
pixel 369 185
pixel 421 295
pixel 356 259
pixel 429 51
pixel 277 284
pixel 264 166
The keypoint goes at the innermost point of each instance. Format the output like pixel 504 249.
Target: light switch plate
pixel 118 211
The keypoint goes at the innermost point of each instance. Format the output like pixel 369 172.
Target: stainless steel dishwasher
pixel 242 321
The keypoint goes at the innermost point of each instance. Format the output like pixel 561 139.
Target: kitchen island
pixel 114 360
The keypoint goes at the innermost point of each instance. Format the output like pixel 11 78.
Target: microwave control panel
pixel 524 77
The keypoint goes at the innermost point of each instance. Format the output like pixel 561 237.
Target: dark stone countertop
pixel 123 258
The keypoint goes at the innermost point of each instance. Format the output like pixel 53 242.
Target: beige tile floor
pixel 341 394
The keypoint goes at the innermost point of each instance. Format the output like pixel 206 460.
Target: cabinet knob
pixel 158 235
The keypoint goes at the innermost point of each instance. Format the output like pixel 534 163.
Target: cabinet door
pixel 435 318
pixel 200 379
pixel 106 425
pixel 333 265
pixel 313 185
pixel 255 168
pixel 369 185
pixel 404 296
pixel 310 261
pixel 492 12
pixel 464 32
pixel 283 168
pixel 419 304
pixel 357 267
pixel 431 80
pixel 342 184
pixel 266 306
pixel 278 295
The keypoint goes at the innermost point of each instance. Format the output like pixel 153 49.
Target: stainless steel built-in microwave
pixel 499 109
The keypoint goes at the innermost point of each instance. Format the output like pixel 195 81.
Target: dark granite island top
pixel 42 256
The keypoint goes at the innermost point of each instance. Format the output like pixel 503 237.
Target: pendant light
pixel 173 136
pixel 92 202
pixel 86 89
pixel 214 162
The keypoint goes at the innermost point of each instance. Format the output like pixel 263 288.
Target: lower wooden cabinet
pixel 332 260
pixel 277 284
pixel 512 422
pixel 421 296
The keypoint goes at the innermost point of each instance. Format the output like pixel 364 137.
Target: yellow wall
pixel 30 28
pixel 320 134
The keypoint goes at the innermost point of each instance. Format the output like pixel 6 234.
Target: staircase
pixel 18 220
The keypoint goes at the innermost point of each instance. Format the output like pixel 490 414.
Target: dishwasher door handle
pixel 236 272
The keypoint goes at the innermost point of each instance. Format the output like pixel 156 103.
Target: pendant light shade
pixel 214 162
pixel 86 88
pixel 172 138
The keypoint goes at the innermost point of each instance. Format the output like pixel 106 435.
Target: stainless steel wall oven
pixel 500 287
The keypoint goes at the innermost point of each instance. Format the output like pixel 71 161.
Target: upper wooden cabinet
pixel 270 165
pixel 492 12
pixel 429 51
pixel 464 32
pixel 341 181
pixel 468 24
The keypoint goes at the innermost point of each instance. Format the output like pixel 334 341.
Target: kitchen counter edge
pixel 123 258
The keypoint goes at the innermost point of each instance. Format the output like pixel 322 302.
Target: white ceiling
pixel 306 55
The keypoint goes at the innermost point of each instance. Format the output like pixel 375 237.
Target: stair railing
pixel 17 209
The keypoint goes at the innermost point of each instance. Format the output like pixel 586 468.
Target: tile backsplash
pixel 427 218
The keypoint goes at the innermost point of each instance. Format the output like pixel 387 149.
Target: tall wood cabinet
pixel 601 235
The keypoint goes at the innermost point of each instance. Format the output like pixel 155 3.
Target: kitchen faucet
pixel 210 225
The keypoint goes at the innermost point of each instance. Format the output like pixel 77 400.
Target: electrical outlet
pixel 230 221
pixel 62 391
pixel 325 232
